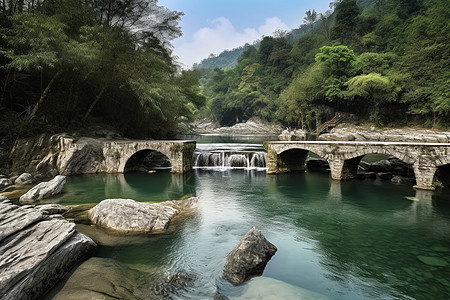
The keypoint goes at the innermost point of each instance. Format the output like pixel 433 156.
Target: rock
pixel 348 132
pixel 25 178
pixel 293 135
pixel 433 261
pixel 369 175
pixel 175 283
pixel 36 252
pixel 382 166
pixel 2 176
pixel 44 190
pixel 317 165
pixel 249 257
pixel 5 182
pixel 132 217
pixel 254 125
pixel 13 178
pixel 52 209
pixel 105 278
pixel 385 175
pixel 264 288
pixel 3 198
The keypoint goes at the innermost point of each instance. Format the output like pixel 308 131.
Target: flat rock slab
pixel 36 251
pixel 249 257
pixel 53 209
pixel 44 190
pixel 106 278
pixel 131 217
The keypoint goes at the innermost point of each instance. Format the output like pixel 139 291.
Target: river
pixel 336 240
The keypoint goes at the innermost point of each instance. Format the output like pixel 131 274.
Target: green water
pixel 336 240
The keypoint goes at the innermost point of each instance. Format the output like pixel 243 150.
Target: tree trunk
pixel 99 95
pixel 44 94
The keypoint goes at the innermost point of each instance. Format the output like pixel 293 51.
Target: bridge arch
pixel 147 159
pixel 291 158
pixel 344 157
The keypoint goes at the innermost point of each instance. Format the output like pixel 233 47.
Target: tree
pixel 310 18
pixel 346 14
pixel 37 42
pixel 370 92
pixel 298 102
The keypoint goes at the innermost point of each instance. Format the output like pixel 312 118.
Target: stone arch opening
pixel 316 163
pixel 147 160
pixel 298 159
pixel 442 176
pixel 379 165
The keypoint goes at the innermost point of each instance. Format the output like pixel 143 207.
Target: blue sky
pixel 211 26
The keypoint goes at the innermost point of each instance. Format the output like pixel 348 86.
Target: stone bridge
pixel 122 155
pixel 344 157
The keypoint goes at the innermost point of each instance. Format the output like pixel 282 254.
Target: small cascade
pixel 229 159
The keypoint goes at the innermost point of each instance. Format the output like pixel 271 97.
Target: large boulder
pixel 44 190
pixel 25 178
pixel 249 257
pixel 36 251
pixel 132 217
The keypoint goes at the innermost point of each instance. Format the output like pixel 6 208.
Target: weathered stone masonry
pixel 344 157
pixel 67 155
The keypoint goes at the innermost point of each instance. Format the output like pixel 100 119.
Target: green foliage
pixel 84 60
pixel 384 61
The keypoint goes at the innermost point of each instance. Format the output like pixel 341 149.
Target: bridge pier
pixel 344 169
pixel 345 156
pixel 424 176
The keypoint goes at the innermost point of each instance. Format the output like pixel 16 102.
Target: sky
pixel 211 26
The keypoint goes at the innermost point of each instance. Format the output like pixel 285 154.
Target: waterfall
pixel 229 159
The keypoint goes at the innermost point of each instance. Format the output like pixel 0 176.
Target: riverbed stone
pixel 105 278
pixel 5 182
pixel 128 216
pixel 249 257
pixel 36 252
pixel 44 190
pixel 433 261
pixel 25 178
pixel 52 209
pixel 264 288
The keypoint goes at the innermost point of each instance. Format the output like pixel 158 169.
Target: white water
pixel 247 156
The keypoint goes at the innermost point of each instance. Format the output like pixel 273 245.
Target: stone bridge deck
pixel 344 157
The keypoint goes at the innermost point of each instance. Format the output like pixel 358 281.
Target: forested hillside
pixel 65 65
pixel 387 63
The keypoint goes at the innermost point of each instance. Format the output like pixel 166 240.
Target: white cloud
pixel 222 35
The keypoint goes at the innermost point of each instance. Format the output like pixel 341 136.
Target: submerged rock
pixel 129 216
pixel 44 190
pixel 25 178
pixel 35 251
pixel 249 257
pixel 264 288
pixel 105 278
pixel 433 261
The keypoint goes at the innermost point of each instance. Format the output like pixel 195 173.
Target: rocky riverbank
pixel 37 249
pixel 349 132
pixel 254 125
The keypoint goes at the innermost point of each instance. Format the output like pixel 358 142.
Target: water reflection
pixel 343 240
